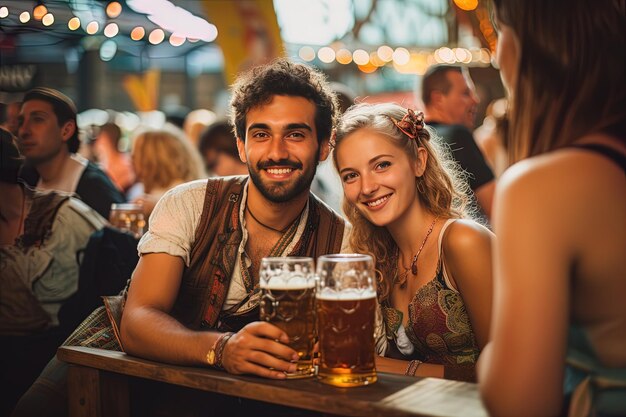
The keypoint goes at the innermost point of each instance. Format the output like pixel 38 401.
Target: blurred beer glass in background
pixel 288 301
pixel 128 217
pixel 346 309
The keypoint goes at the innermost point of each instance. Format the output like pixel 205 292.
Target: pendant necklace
pixel 401 279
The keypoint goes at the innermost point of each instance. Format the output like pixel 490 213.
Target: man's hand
pixel 261 349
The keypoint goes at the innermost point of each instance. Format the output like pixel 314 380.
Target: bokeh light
pixel 114 9
pixel 73 23
pixel 111 30
pixel 48 19
pixel 306 53
pixel 137 33
pixel 156 36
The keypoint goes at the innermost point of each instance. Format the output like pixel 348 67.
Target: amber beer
pixel 128 217
pixel 346 331
pixel 346 313
pixel 288 302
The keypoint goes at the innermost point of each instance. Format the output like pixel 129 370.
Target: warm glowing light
pixel 444 54
pixel 114 9
pixel 156 36
pixel 361 57
pixel 344 56
pixel 306 53
pixel 24 17
pixel 74 23
pixel 111 30
pixel 326 54
pixel 48 19
pixel 4 12
pixel 92 27
pixel 401 56
pixel 462 55
pixel 375 60
pixel 39 12
pixel 385 53
pixel 466 4
pixel 368 68
pixel 137 33
pixel 176 40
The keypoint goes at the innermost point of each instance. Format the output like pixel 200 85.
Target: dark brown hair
pixel 63 108
pixel 283 78
pixel 570 75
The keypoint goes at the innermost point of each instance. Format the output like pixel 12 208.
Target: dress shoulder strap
pixel 606 151
pixel 441 258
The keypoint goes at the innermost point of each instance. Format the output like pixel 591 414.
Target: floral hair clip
pixel 411 123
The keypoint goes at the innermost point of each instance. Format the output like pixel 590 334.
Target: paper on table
pixel 439 397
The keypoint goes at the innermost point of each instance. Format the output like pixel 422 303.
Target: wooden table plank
pixel 375 400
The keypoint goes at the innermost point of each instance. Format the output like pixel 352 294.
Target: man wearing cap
pixel 48 139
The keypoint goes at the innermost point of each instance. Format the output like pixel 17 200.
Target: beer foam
pixel 348 294
pixel 291 283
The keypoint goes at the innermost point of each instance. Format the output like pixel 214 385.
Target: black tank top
pixel 614 155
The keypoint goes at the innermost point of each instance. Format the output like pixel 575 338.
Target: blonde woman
pixel 405 203
pixel 162 160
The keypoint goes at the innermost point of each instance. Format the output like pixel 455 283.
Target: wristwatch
pixel 210 355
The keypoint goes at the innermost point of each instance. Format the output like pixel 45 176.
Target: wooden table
pixel 98 385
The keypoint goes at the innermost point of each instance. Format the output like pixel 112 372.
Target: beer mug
pixel 288 301
pixel 346 312
pixel 128 217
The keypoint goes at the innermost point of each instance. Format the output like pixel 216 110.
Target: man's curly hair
pixel 284 78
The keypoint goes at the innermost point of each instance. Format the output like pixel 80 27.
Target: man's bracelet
pixel 220 344
pixel 412 368
pixel 215 355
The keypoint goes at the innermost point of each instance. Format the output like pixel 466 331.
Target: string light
pixel 48 19
pixel 360 57
pixel 92 27
pixel 306 53
pixel 114 9
pixel 24 17
pixel 176 40
pixel 156 36
pixel 111 30
pixel 4 12
pixel 344 56
pixel 326 54
pixel 39 12
pixel 73 23
pixel 137 33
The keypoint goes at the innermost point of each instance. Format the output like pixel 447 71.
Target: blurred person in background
pixel 162 159
pixel 196 122
pixel 41 235
pixel 48 139
pixel 218 147
pixel 11 114
pixel 558 335
pixel 114 162
pixel 450 103
pixel 491 136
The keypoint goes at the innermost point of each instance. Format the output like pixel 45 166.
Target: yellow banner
pixel 144 90
pixel 247 32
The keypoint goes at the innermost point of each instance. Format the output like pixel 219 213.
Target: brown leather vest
pixel 205 282
pixel 43 210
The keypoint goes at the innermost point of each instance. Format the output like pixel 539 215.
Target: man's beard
pixel 279 192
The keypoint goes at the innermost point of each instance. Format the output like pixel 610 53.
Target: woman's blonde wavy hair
pixel 443 182
pixel 163 159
